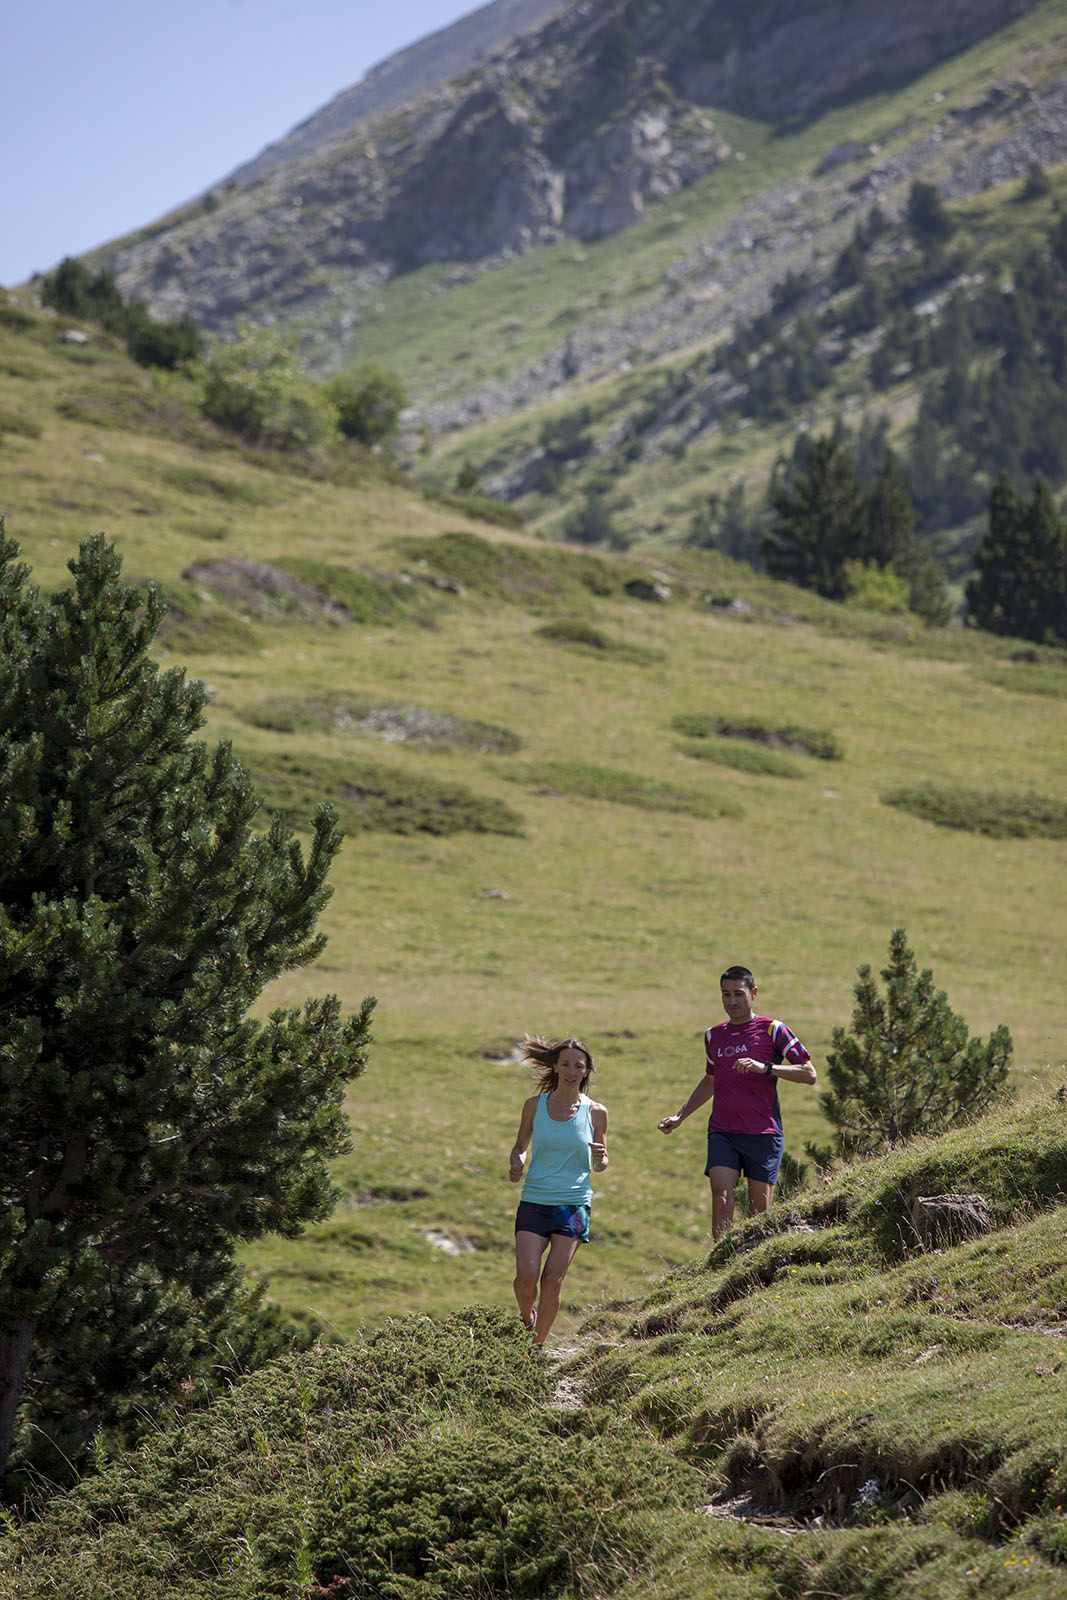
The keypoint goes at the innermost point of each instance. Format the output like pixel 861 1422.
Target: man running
pixel 746 1056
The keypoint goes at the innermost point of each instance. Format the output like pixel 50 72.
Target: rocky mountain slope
pixel 404 76
pixel 571 129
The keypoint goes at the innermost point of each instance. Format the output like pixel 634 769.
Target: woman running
pixel 564 1133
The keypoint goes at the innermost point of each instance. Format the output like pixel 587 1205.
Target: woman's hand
pixel 515 1167
pixel 600 1154
pixel 669 1124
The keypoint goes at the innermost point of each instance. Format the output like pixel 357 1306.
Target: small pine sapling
pixel 909 1065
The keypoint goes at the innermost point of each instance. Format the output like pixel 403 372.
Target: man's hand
pixel 669 1124
pixel 749 1064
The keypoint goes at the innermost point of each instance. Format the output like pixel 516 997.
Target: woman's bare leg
pixel 560 1255
pixel 529 1248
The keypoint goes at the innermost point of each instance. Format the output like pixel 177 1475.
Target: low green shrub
pixel 118 404
pixel 811 741
pixel 252 388
pixel 368 401
pixel 198 481
pixel 1048 678
pixel 479 506
pixel 579 635
pixel 515 1507
pixel 224 1505
pixel 16 320
pixel 997 815
pixel 621 788
pixel 366 597
pixel 15 422
pixel 386 799
pixel 519 574
pixel 724 753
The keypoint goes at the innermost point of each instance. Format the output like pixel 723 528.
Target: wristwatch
pixel 769 1067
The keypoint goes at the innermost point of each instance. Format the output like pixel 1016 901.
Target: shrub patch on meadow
pixel 386 799
pixel 578 635
pixel 808 741
pixel 125 402
pixel 520 574
pixel 997 815
pixel 15 422
pixel 479 506
pixel 1028 677
pixel 265 590
pixel 728 753
pixel 394 724
pixel 621 788
pixel 365 597
pixel 226 1505
pixel 513 1507
pixel 198 481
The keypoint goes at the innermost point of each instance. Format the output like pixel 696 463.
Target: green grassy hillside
pixel 531 844
pixel 817 1407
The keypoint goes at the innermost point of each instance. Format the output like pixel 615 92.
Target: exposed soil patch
pixel 742 1508
pixel 567 1391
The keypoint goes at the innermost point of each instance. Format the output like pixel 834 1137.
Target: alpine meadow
pixel 575 646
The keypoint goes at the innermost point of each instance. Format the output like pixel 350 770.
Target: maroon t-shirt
pixel 747 1102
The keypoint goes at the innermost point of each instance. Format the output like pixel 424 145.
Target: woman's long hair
pixel 542 1055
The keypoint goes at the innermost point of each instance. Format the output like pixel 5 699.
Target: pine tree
pixel 928 220
pixel 909 1065
pixel 147 1122
pixel 821 521
pixel 893 545
pixel 1020 584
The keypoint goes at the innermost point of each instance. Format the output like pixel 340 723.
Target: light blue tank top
pixel 557 1169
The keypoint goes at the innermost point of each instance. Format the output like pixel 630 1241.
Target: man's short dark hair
pixel 738 975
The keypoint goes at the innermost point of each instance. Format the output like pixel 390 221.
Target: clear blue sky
pixel 115 111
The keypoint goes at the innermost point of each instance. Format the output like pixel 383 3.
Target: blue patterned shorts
pixel 573 1221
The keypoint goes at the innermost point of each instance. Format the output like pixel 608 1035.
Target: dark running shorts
pixel 757 1155
pixel 547 1220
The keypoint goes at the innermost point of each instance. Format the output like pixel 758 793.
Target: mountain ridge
pixel 571 130
pixel 402 76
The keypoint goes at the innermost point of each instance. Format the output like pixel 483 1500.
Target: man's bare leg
pixel 723 1182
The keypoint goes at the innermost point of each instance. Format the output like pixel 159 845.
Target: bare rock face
pixel 947 1219
pixel 781 61
pixel 483 186
pixel 569 129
